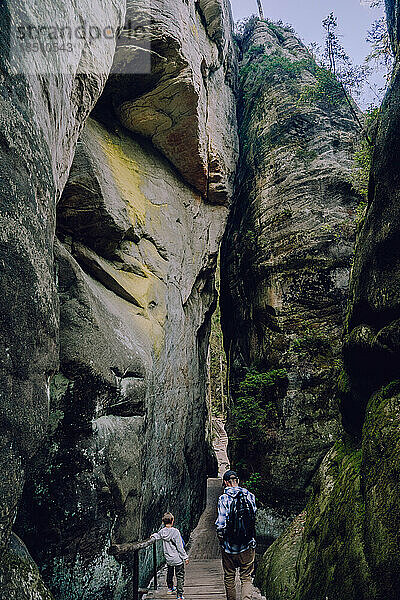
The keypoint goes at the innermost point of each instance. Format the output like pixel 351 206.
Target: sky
pixel 354 20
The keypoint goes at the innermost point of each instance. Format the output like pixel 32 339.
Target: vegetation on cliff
pixel 285 260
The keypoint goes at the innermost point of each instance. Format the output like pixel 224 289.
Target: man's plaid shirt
pixel 224 504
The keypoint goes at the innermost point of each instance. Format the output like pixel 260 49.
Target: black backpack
pixel 241 520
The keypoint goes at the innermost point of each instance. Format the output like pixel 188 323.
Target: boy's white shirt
pixel 174 552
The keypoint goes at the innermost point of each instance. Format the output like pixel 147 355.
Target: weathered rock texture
pixel 185 105
pixel 139 225
pixel 285 262
pixel 350 546
pixel 42 114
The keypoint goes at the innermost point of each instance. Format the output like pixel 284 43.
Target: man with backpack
pixel 236 531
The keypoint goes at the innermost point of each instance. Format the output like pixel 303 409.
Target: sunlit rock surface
pixel 185 106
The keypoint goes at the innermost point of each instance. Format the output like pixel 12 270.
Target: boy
pixel 175 555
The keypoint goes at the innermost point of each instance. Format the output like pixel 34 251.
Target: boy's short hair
pixel 168 518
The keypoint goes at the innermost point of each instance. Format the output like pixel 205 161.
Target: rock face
pixel 285 266
pixel 43 110
pixel 350 545
pixel 139 224
pixel 20 578
pixel 185 105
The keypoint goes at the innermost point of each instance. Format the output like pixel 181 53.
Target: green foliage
pixel 281 219
pixel 250 417
pixel 250 240
pixel 55 418
pixel 254 420
pixel 58 388
pixel 255 51
pixel 256 384
pixel 362 160
pixel 279 27
pixel 254 410
pixel 362 165
pixel 260 69
pixel 343 383
pixel 381 49
pixel 327 90
pixel 310 342
pixel 361 212
pixel 254 484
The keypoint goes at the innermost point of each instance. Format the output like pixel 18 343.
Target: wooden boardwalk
pixel 203 574
pixel 203 580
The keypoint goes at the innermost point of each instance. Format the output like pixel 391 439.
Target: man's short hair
pixel 230 476
pixel 168 518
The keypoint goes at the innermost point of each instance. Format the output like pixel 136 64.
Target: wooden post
pixel 155 566
pixel 129 554
pixel 260 9
pixel 135 575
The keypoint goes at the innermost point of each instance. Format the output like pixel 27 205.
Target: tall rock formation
pixel 285 266
pixel 348 547
pixel 43 109
pixel 139 224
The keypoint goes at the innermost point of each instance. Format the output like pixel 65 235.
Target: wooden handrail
pixel 120 550
pixel 129 552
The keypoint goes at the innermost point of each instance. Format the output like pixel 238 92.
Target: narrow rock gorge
pixel 124 167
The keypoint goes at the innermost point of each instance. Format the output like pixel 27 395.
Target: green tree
pixel 378 36
pixel 350 77
pixel 338 61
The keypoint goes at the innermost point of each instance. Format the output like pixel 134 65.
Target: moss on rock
pixel 332 561
pixel 276 574
pixel 381 469
pixel 20 579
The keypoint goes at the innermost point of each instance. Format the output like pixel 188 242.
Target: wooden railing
pixel 129 554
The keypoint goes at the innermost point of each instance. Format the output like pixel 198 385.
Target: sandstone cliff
pixel 42 115
pixel 125 306
pixel 285 266
pixel 348 547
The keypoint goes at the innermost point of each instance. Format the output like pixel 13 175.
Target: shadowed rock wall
pixel 285 265
pixel 43 109
pixel 348 546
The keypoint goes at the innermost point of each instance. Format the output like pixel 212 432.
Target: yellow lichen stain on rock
pixel 195 31
pixel 128 179
pixel 150 329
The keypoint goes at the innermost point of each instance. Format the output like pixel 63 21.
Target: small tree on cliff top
pixel 337 60
pixel 339 64
pixel 260 9
pixel 378 36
